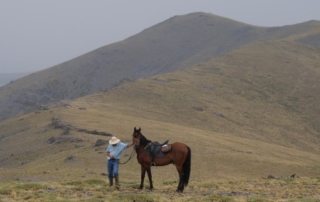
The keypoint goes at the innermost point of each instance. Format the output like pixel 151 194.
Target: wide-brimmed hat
pixel 114 140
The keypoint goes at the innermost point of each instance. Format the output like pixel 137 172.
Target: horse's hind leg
pixel 143 172
pixel 181 183
pixel 150 177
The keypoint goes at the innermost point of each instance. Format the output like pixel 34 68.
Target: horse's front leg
pixel 150 177
pixel 143 172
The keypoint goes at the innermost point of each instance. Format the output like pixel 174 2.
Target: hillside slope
pixel 248 114
pixel 224 167
pixel 34 150
pixel 176 43
pixel 6 78
pixel 267 91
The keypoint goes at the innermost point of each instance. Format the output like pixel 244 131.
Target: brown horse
pixel 179 155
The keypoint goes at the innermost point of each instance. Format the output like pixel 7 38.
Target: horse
pixel 179 155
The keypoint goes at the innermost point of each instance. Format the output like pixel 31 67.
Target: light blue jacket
pixel 116 151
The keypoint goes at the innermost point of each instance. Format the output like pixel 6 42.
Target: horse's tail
pixel 186 168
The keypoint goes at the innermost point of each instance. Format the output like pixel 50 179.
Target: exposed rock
pixel 66 127
pixel 69 158
pixel 63 139
pixel 271 177
pixel 197 108
pixel 218 114
pixel 100 142
pixel 51 140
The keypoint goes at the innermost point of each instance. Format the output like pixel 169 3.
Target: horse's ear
pixel 135 129
pixel 139 129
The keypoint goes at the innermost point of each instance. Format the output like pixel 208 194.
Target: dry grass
pixel 266 91
pixel 301 189
pixel 239 130
pixel 214 155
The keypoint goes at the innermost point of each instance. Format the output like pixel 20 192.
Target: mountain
pixel 248 114
pixel 6 78
pixel 176 43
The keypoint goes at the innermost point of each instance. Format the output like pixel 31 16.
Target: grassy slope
pixel 297 190
pixel 241 117
pixel 259 92
pixel 224 166
pixel 247 115
pixel 174 43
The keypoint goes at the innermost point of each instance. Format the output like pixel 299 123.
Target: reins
pixel 131 155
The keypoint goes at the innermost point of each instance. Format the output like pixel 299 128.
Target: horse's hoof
pixel 141 187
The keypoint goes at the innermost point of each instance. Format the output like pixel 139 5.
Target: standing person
pixel 114 150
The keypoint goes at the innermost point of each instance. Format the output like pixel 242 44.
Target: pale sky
pixel 37 34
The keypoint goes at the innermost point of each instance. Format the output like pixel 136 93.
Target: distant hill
pixel 6 78
pixel 176 43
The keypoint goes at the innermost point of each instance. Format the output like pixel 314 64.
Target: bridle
pixel 136 140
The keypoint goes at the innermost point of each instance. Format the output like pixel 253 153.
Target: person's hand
pixel 110 156
pixel 130 145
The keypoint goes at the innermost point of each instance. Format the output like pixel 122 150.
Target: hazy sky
pixel 37 34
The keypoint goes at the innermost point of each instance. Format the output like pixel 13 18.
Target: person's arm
pixel 129 145
pixel 109 155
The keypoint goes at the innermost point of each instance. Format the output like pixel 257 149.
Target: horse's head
pixel 136 136
pixel 139 139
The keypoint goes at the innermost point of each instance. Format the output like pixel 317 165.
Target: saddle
pixel 157 149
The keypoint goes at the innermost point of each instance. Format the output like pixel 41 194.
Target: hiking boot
pixel 110 181
pixel 117 182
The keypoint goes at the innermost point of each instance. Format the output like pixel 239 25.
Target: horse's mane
pixel 143 140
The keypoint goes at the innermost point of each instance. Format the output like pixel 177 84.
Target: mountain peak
pixel 314 21
pixel 177 43
pixel 206 17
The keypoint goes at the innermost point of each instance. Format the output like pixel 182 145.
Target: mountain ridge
pixel 176 43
